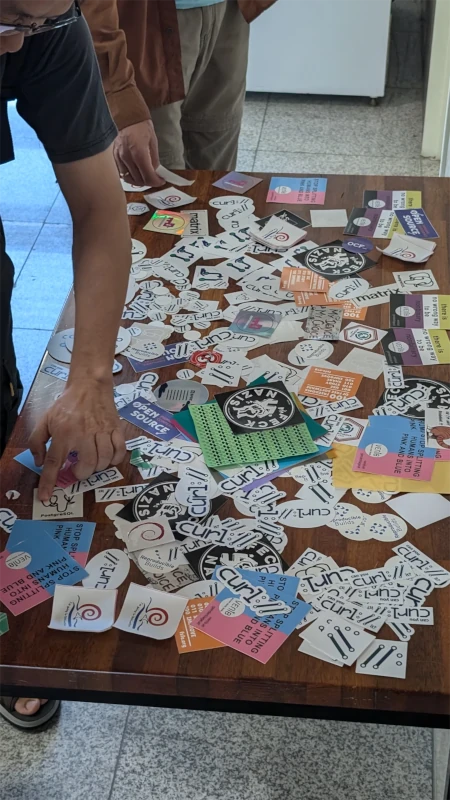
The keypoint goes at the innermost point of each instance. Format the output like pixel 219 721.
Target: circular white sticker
pixel 312 350
pixel 232 607
pixel 376 204
pixel 19 560
pixel 387 527
pixel 342 510
pixel 138 250
pixel 185 374
pixel 405 311
pixel 376 450
pixel 283 190
pixel 398 347
pixel 161 290
pixel 354 527
pixel 192 336
pixel 372 497
pixel 362 222
pixel 347 288
pixel 58 346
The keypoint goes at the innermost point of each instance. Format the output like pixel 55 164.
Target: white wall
pixel 438 82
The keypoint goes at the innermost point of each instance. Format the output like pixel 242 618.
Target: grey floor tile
pixel 430 167
pixel 314 163
pixel 406 65
pixel 245 159
pixel 364 165
pixel 187 755
pixel 30 347
pixel 28 186
pixel 72 760
pixel 254 111
pixel 441 753
pixel 20 238
pixel 59 213
pixel 45 279
pixel 345 125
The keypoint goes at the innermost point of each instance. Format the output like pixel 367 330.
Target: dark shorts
pixel 11 387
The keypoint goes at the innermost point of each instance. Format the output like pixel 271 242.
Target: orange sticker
pixel 313 299
pixel 187 638
pixel 330 384
pixel 353 312
pixel 301 279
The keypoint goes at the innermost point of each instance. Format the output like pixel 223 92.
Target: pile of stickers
pixel 211 579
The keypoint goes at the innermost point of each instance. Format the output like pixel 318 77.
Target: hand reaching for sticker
pixel 84 419
pixel 136 154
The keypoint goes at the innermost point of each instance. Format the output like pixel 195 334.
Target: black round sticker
pixel 260 555
pixel 417 394
pixel 147 503
pixel 333 261
pixel 259 408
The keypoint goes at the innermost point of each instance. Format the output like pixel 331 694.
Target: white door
pixel 445 160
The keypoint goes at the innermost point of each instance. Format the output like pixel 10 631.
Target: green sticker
pixel 4 626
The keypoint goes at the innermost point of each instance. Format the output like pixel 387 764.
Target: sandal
pixel 46 713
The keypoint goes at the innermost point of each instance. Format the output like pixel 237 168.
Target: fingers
pixel 120 451
pixel 54 460
pixel 38 440
pixel 87 457
pixel 105 450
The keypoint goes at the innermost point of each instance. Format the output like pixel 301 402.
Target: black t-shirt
pixel 57 84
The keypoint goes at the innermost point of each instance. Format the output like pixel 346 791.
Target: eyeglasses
pixel 50 24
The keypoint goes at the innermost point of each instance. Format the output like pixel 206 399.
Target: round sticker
pixel 283 190
pixel 347 288
pixel 227 201
pixel 192 336
pixel 259 408
pixel 386 527
pixel 19 560
pixel 416 395
pixel 372 497
pixel 58 346
pixel 405 311
pixel 398 347
pixel 189 294
pixel 357 245
pixel 343 510
pixel 125 388
pixel 354 527
pixel 161 290
pixel 138 251
pixel 146 534
pixel 304 514
pixel 185 374
pixel 107 570
pixel 332 260
pixel 310 350
pixel 376 450
pixel 232 607
pixel 178 394
pixel 201 357
pixel 260 555
pixel 149 501
pixel 122 341
pixel 117 367
pixel 362 222
pixel 376 204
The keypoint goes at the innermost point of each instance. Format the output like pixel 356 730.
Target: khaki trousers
pixel 202 131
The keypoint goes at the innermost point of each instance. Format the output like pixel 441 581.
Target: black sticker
pixel 286 216
pixel 259 408
pixel 417 395
pixel 333 261
pixel 260 555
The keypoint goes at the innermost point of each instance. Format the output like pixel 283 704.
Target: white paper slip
pixel 420 509
pixel 62 505
pixel 337 638
pixel 363 363
pixel 393 376
pixel 172 177
pixel 131 187
pixel 329 218
pixel 82 610
pixel 113 493
pixel 417 280
pixel 107 570
pixel 149 612
pixel 308 650
pixel 169 198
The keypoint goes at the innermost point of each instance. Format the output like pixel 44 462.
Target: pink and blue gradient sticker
pixel 298 191
pixel 75 538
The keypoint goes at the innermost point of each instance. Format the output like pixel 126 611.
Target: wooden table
pixel 119 667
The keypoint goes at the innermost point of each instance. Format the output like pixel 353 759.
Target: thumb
pixel 38 440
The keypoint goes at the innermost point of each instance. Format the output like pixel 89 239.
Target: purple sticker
pixel 150 418
pixel 415 223
pixel 166 360
pixel 357 245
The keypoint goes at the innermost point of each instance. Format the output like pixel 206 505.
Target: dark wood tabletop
pixel 118 667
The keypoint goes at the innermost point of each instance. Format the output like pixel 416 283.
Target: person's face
pixel 26 12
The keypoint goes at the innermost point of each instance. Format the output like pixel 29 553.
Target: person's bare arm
pixel 136 146
pixel 84 418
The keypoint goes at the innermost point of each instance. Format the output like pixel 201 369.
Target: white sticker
pixel 154 532
pixel 82 610
pixel 307 352
pixel 169 198
pixel 372 497
pixel 361 335
pixel 298 514
pixel 149 612
pixel 136 209
pixel 7 519
pixel 384 658
pixel 61 505
pixel 107 570
pixel 387 527
pixel 109 494
pixel 393 376
pixel 138 251
pixel 102 478
pixel 347 288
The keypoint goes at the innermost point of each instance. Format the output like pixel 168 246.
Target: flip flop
pixel 38 720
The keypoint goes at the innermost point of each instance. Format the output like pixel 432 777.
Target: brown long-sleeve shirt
pixel 138 48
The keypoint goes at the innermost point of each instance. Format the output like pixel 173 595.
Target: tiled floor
pixel 110 752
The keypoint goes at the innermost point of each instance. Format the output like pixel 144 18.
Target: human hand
pixel 83 418
pixel 136 154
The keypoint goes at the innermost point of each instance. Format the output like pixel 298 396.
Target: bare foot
pixel 28 706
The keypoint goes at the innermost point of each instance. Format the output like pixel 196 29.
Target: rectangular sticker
pixel 150 418
pixel 388 200
pixel 297 191
pixel 329 384
pixel 414 222
pixel 414 347
pixel 373 223
pixel 429 311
